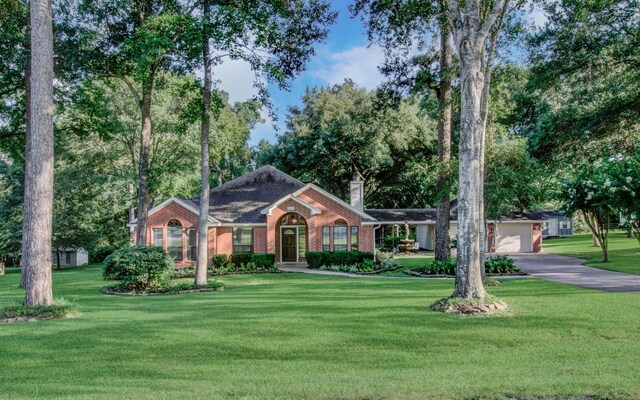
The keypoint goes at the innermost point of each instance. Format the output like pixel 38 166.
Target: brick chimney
pixel 357 192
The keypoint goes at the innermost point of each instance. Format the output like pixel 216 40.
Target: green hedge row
pixel 316 259
pixel 261 260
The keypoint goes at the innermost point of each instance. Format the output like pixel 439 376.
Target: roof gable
pixel 241 200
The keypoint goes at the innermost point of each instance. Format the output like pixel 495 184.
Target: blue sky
pixel 344 54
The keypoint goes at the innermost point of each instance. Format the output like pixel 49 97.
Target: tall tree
pixel 38 188
pixel 472 24
pixel 404 28
pixel 205 129
pixel 340 130
pixel 443 210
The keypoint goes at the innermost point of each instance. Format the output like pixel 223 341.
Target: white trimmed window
pixel 157 237
pixel 340 235
pixel 242 240
pixel 174 239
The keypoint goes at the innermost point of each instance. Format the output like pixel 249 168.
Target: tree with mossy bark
pixel 401 27
pixel 275 38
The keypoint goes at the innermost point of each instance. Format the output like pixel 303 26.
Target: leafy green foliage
pixel 101 253
pixel 316 259
pixel 500 264
pixel 138 267
pixel 219 261
pixel 340 131
pixel 436 267
pixel 585 84
pixel 59 309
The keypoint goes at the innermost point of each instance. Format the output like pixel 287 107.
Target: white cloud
pixel 236 78
pixel 359 64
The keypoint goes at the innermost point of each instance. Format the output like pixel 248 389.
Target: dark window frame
pixel 242 248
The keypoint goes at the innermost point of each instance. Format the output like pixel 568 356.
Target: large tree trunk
pixel 143 171
pixel 443 246
pixel 205 128
pixel 470 218
pixel 470 36
pixel 38 187
pixel 27 86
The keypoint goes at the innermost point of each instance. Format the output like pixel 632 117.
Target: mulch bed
pixel 109 291
pixel 227 273
pixel 418 273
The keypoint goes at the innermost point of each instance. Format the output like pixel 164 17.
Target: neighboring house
pixel 268 211
pixel 70 257
pixel 555 223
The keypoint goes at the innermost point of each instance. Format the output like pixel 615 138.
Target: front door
pixel 289 245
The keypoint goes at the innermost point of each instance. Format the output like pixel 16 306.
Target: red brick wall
pixel 537 237
pixel 267 239
pixel 224 240
pixel 161 218
pixel 331 211
pixel 260 239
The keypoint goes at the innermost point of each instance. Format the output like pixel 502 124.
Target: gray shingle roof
pixel 401 215
pixel 241 200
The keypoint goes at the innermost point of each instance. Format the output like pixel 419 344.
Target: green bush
pixel 366 265
pixel 219 261
pixel 98 255
pixel 263 260
pixel 494 265
pixel 316 259
pixel 435 267
pixel 238 259
pixel 138 267
pixel 500 265
pixel 59 309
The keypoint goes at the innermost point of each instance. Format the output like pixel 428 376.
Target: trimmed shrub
pixel 98 255
pixel 435 267
pixel 138 267
pixel 500 265
pixel 263 260
pixel 238 259
pixel 316 259
pixel 219 261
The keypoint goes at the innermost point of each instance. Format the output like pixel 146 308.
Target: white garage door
pixel 514 238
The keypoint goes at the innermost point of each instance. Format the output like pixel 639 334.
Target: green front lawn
pixel 624 253
pixel 409 262
pixel 295 336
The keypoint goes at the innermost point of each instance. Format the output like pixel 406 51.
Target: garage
pixel 514 238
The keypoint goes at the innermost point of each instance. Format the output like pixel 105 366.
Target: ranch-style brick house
pixel 268 211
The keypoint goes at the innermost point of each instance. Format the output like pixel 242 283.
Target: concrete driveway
pixel 569 270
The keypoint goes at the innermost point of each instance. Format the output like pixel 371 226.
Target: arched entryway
pixel 293 237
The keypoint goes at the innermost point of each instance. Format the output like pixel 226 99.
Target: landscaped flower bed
pixel 22 313
pixel 221 264
pixel 367 266
pixel 145 271
pixel 494 266
pixel 177 288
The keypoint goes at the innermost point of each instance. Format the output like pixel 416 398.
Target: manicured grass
pixel 295 336
pixel 624 253
pixel 409 262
